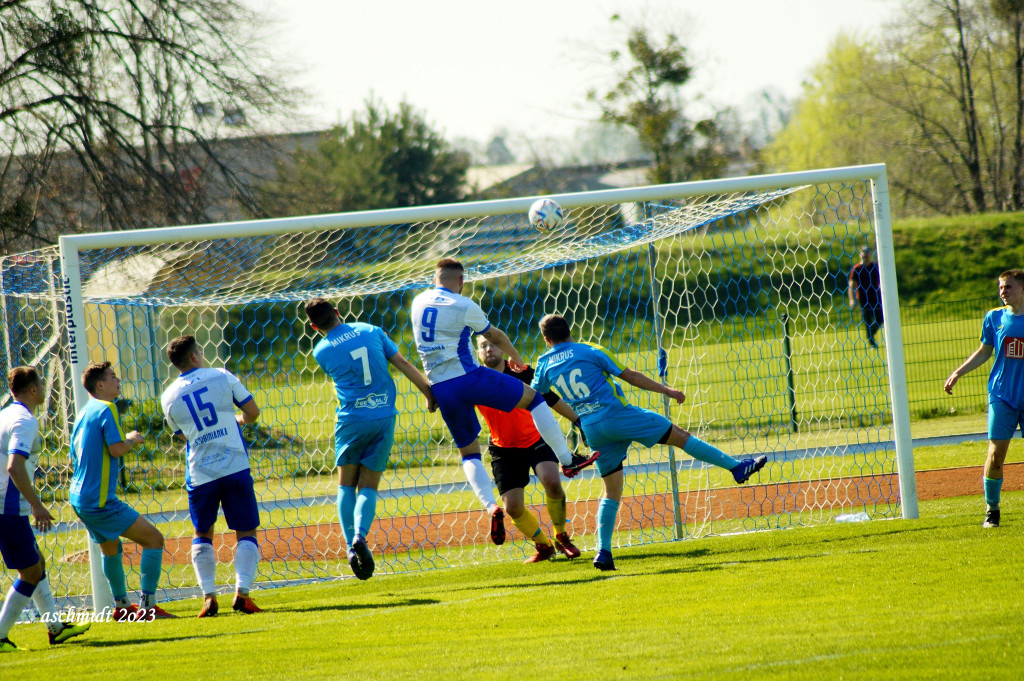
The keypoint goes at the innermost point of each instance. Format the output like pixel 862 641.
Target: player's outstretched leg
pixel 741 469
pixel 747 467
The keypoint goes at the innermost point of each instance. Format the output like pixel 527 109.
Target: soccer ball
pixel 546 215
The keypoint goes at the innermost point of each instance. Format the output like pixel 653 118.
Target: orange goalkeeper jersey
pixel 511 428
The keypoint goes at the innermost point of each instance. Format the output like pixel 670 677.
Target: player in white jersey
pixel 444 322
pixel 19 445
pixel 200 408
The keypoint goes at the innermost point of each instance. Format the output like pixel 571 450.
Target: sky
pixel 474 68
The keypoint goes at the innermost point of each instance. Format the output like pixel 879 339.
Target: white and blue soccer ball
pixel 546 215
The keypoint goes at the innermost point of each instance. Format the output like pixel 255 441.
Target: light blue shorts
pixel 1003 420
pixel 107 523
pixel 367 443
pixel 613 432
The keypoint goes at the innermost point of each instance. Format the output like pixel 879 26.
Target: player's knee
pixel 33 574
pixel 514 507
pixel 154 539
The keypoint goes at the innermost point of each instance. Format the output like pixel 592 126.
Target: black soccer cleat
pixel 578 463
pixel 991 518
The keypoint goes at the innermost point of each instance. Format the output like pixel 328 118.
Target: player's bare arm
pixel 415 376
pixel 119 449
pixel 250 413
pixel 639 380
pixel 498 338
pixel 41 517
pixel 977 358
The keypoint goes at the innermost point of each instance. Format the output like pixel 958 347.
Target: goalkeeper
pixel 515 447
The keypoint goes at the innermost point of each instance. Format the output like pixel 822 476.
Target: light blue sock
pixel 151 565
pixel 113 570
pixel 607 509
pixel 992 490
pixel 366 509
pixel 702 451
pixel 346 512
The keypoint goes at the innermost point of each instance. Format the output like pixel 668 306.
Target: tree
pixel 646 98
pixel 107 112
pixel 378 159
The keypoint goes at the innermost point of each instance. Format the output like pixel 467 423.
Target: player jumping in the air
pixel 582 374
pixel 443 323
pixel 356 357
pixel 200 408
pixel 1002 334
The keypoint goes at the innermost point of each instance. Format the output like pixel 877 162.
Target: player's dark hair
pixel 321 313
pixel 20 379
pixel 180 349
pixel 93 374
pixel 554 328
pixel 450 265
pixel 1013 274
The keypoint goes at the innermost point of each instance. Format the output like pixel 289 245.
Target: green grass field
pixel 854 601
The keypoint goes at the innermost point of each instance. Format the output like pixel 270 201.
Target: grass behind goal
pixel 930 598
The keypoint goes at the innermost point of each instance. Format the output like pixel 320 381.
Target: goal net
pixel 732 290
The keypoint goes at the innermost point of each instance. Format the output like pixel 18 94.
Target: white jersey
pixel 19 435
pixel 443 325
pixel 200 405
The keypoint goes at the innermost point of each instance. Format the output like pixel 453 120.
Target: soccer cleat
pixel 565 545
pixel 69 631
pixel 603 560
pixel 210 607
pixel 363 557
pixel 155 613
pixel 245 605
pixel 991 518
pixel 742 471
pixel 544 552
pixel 126 614
pixel 353 562
pixel 579 463
pixel 7 646
pixel 498 526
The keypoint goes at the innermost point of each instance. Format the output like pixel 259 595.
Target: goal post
pixel 732 290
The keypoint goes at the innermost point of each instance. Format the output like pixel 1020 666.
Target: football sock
pixel 366 510
pixel 43 598
pixel 548 428
pixel 993 487
pixel 205 562
pixel 113 570
pixel 479 480
pixel 247 557
pixel 346 512
pixel 147 600
pixel 607 509
pixel 702 451
pixel 530 527
pixel 17 598
pixel 150 565
pixel 556 509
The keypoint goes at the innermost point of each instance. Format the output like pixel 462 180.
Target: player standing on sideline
pixel 200 408
pixel 516 446
pixel 866 288
pixel 443 320
pixel 97 445
pixel 1002 333
pixel 582 373
pixel 356 355
pixel 19 443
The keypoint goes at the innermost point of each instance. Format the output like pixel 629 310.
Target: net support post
pixel 74 321
pixel 894 347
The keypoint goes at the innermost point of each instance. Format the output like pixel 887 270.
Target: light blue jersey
pixel 94 481
pixel 1004 331
pixel 581 373
pixel 355 356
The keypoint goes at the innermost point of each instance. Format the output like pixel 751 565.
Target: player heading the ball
pixel 444 322
pixel 583 373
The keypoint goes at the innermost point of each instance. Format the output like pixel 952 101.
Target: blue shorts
pixel 367 443
pixel 17 543
pixel 107 523
pixel 458 396
pixel 614 432
pixel 1003 420
pixel 234 493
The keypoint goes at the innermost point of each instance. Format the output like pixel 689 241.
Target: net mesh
pixel 738 300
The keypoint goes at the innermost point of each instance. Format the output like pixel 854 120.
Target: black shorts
pixel 511 466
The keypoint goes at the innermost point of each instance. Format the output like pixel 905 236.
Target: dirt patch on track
pixel 391 535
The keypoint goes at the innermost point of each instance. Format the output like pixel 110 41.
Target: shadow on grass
pixel 363 606
pixel 91 643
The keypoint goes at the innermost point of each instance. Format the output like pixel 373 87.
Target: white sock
pixel 247 556
pixel 548 428
pixel 11 613
pixel 204 560
pixel 43 598
pixel 479 481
